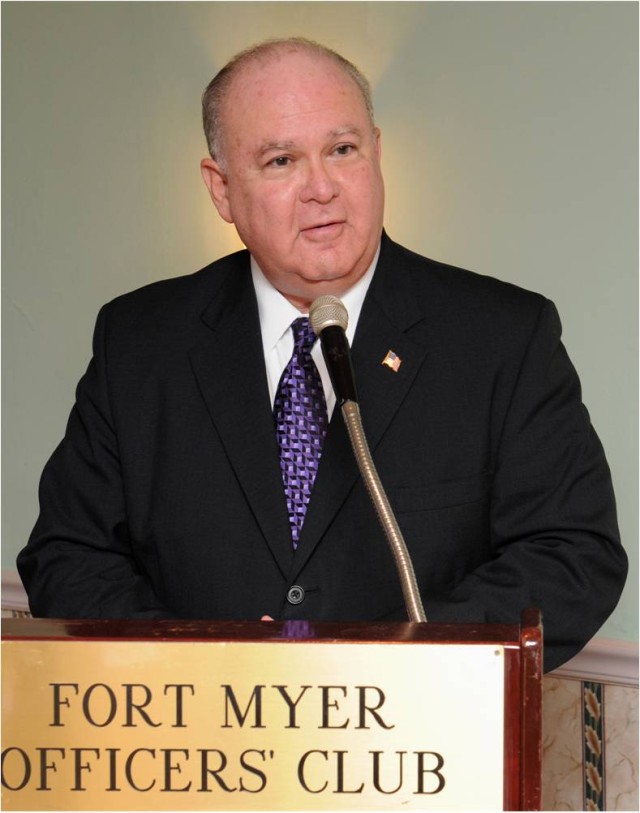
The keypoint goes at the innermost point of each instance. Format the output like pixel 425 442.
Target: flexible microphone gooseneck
pixel 329 319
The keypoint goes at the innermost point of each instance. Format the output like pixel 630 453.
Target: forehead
pixel 291 84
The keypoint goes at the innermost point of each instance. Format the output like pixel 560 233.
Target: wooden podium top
pixel 318 631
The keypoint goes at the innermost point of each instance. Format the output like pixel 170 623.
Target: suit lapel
pixel 229 367
pixel 389 320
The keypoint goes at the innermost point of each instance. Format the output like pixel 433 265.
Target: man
pixel 172 494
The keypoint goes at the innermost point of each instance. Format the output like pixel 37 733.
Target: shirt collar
pixel 277 313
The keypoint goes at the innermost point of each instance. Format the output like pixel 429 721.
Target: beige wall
pixel 581 771
pixel 510 146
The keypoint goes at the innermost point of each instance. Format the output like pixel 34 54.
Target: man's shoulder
pixel 445 282
pixel 186 292
pixel 448 293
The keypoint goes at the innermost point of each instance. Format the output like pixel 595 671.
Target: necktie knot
pixel 303 334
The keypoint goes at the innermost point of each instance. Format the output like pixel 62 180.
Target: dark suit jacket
pixel 165 497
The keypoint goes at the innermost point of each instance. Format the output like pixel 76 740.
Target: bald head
pixel 217 91
pixel 295 166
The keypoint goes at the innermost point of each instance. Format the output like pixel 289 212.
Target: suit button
pixel 295 594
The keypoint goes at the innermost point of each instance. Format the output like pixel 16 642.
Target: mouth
pixel 324 231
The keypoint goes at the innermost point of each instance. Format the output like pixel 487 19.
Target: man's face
pixel 301 175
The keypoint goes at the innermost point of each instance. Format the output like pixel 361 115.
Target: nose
pixel 318 185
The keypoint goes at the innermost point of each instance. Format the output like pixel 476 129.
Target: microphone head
pixel 326 311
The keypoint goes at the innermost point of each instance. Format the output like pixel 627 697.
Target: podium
pixel 197 715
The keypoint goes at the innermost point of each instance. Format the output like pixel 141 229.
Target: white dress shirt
pixel 276 315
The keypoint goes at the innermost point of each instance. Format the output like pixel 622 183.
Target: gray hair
pixel 216 91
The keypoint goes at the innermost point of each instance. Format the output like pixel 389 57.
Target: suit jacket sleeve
pixel 79 561
pixel 553 522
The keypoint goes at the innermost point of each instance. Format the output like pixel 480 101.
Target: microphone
pixel 329 320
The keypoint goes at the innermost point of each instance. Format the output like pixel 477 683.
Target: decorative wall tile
pixel 590 745
pixel 593 745
pixel 562 760
pixel 621 760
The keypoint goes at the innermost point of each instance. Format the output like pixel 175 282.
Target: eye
pixel 344 149
pixel 280 161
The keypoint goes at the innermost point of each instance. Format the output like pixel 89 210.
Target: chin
pixel 329 269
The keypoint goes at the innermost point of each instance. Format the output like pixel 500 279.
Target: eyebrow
pixel 275 146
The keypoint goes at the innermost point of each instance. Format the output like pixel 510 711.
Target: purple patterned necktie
pixel 300 412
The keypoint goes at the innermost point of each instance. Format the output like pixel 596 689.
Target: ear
pixel 378 142
pixel 216 182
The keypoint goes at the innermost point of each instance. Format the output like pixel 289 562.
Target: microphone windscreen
pixel 326 311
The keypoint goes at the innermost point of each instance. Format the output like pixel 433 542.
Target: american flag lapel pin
pixel 392 360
